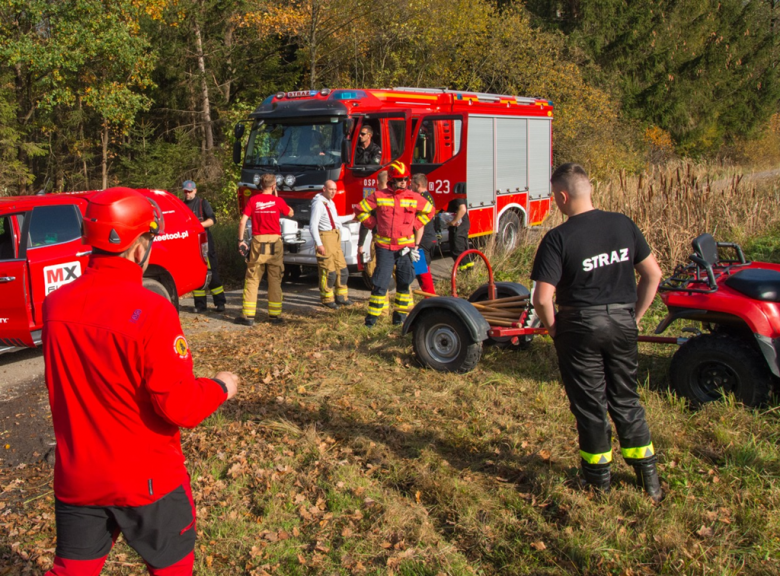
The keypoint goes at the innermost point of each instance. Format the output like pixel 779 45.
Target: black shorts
pixel 162 532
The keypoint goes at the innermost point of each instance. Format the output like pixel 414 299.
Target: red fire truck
pixel 41 250
pixel 493 150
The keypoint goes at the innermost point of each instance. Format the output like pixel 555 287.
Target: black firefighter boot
pixel 597 476
pixel 647 477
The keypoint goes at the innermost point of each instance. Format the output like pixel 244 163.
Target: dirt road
pixel 26 435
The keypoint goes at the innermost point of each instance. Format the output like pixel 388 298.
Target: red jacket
pixel 119 374
pixel 398 214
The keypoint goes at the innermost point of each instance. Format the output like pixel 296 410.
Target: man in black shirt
pixel 202 209
pixel 588 262
pixel 366 151
pixel 459 232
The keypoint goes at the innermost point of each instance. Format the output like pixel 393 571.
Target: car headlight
pixel 256 179
pixel 289 180
pixel 279 179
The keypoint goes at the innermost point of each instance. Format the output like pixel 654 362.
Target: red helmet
pixel 117 216
pixel 399 170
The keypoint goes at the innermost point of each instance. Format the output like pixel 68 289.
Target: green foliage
pixel 704 71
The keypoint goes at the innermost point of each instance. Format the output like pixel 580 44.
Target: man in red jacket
pixel 398 217
pixel 119 374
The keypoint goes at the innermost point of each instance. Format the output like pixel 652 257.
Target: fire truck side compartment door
pixel 539 158
pixel 480 162
pixel 512 155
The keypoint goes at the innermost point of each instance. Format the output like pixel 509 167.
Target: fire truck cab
pixel 493 150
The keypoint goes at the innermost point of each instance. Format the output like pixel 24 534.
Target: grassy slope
pixel 341 456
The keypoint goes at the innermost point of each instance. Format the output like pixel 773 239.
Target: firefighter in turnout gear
pixel 120 383
pixel 589 264
pixel 331 265
pixel 266 252
pixel 202 210
pixel 398 222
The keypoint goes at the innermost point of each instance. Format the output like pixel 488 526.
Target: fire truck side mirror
pixel 238 131
pixel 345 150
pixel 237 152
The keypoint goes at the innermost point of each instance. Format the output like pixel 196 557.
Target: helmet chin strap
pixel 147 252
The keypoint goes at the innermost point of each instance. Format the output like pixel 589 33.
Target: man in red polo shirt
pixel 266 252
pixel 119 374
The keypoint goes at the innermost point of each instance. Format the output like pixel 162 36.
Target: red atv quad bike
pixel 738 304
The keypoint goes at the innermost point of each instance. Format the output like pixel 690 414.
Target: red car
pixel 41 249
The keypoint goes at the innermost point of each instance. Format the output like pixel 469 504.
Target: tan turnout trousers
pixel 266 256
pixel 331 266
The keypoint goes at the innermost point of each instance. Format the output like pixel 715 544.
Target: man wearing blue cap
pixel 202 209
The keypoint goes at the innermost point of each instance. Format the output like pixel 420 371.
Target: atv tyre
pixel 709 366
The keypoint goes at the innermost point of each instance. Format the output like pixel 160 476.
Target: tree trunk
pixel 315 17
pixel 209 134
pixel 104 138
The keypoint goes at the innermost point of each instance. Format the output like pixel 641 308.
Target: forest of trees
pixel 145 93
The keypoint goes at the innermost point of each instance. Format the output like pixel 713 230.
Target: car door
pixel 15 303
pixel 55 254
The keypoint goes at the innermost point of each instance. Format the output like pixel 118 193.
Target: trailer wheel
pixel 509 226
pixel 441 341
pixel 157 288
pixel 708 366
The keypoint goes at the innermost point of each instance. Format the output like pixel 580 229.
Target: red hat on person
pixel 117 216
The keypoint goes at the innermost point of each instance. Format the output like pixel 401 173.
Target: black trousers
pixel 386 261
pixel 597 356
pixel 459 243
pixel 215 286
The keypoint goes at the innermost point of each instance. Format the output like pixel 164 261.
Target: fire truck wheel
pixel 707 367
pixel 157 288
pixel 509 226
pixel 441 341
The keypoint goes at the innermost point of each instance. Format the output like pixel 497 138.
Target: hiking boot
pixel 370 321
pixel 220 307
pixel 244 321
pixel 647 478
pixel 275 320
pixel 331 305
pixel 346 302
pixel 200 310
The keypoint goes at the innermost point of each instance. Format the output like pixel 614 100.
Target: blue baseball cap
pixel 189 186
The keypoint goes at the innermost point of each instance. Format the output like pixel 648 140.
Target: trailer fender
pixel 474 321
pixel 503 290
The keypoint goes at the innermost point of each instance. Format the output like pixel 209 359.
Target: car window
pixel 54 225
pixel 7 244
pixel 397 137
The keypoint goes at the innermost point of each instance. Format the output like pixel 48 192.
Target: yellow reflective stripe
pixel 604 458
pixel 218 290
pixel 423 218
pixel 408 202
pixel 383 239
pixel 363 216
pixel 427 208
pixel 198 293
pixel 250 305
pixel 385 202
pixel 638 453
pixel 365 206
pixel 377 300
pixel 342 291
pixel 409 240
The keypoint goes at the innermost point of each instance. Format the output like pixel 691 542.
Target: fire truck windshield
pixel 313 144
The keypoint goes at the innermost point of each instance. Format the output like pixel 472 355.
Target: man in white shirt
pixel 325 230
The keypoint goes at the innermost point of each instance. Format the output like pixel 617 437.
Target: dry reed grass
pixel 675 203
